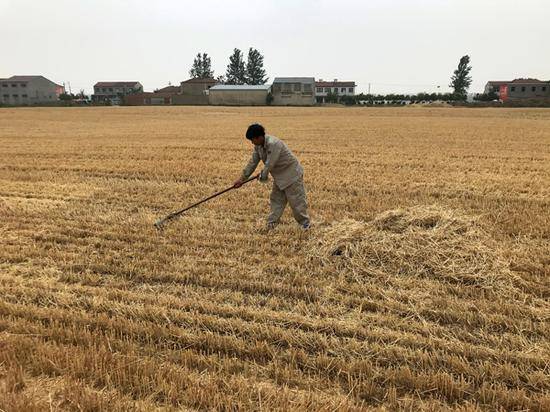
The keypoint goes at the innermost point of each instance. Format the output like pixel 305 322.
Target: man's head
pixel 256 134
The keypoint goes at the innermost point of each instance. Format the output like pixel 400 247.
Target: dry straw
pixel 424 241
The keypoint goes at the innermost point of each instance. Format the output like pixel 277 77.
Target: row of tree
pixel 392 98
pixel 238 71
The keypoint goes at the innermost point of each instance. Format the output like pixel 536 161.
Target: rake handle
pixel 171 216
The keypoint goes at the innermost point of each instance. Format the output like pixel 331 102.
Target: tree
pixel 202 67
pixel 489 97
pixel 332 97
pixel 81 95
pixel 236 69
pixel 255 72
pixel 461 80
pixel 66 97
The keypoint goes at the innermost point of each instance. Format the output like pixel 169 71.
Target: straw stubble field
pixel 424 283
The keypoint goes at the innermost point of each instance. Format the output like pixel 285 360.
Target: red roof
pixel 115 84
pixel 498 82
pixel 334 84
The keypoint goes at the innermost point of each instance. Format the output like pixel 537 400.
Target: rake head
pixel 159 225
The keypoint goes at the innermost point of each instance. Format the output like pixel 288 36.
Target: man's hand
pixel 238 183
pixel 263 176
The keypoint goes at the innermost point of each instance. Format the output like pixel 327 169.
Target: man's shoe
pixel 306 226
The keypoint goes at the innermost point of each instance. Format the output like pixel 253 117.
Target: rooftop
pixel 169 89
pixel 26 78
pixel 321 83
pixel 240 87
pixel 294 80
pixel 527 81
pixel 201 80
pixel 115 84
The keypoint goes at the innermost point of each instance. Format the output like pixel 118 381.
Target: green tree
pixel 332 97
pixel 236 69
pixel 66 97
pixel 202 67
pixel 255 72
pixel 461 79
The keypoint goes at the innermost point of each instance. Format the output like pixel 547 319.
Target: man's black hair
pixel 255 130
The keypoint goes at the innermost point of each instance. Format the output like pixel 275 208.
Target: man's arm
pixel 249 168
pixel 271 160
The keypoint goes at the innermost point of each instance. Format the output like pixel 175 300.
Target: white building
pixel 114 92
pixel 337 88
pixel 29 90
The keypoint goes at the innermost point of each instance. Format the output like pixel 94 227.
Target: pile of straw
pixel 426 241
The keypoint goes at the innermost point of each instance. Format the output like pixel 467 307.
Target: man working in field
pixel 288 175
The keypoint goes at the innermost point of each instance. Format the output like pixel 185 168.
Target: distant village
pixel 283 91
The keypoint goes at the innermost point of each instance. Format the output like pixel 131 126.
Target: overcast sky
pixel 396 45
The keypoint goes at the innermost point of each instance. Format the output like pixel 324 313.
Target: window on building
pixel 297 87
pixel 350 89
pixel 307 88
pixel 534 89
pixel 15 96
pixel 513 88
pixel 522 88
pixel 4 85
pixel 327 89
pixel 24 96
pixel 319 90
pixel 23 84
pixel 14 85
pixel 110 89
pixel 6 96
pixel 543 88
pixel 287 87
pixel 336 90
pixel 343 89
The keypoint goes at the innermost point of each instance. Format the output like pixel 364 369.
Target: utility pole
pixel 369 88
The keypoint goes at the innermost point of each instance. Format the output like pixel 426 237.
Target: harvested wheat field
pixel 423 284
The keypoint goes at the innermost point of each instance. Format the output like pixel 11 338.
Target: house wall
pixel 191 100
pixel 280 99
pixel 290 94
pixel 324 91
pixel 238 97
pixel 492 87
pixel 148 99
pixel 195 89
pixel 525 91
pixel 113 93
pixel 28 92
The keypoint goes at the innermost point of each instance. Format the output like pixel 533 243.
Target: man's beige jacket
pixel 278 160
